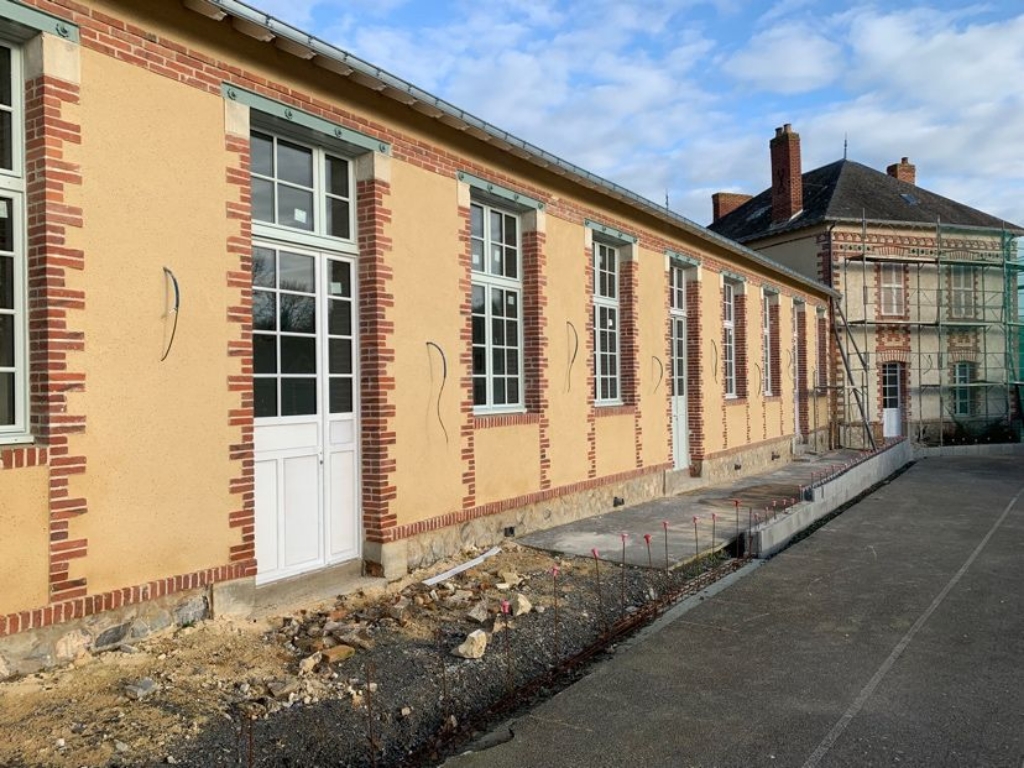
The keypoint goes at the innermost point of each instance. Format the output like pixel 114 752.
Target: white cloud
pixel 789 58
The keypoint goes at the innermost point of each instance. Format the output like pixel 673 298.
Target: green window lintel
pixel 500 192
pixel 733 276
pixel 16 15
pixel 306 120
pixel 683 258
pixel 612 232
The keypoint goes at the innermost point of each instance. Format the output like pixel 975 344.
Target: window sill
pixel 614 409
pixel 17 440
pixel 490 420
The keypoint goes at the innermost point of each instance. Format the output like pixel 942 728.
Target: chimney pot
pixel 904 171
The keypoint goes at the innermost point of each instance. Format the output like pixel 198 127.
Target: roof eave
pixel 268 29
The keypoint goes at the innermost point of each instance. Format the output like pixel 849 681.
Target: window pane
pixel 341 395
pixel 498 357
pixel 337 176
pixel 499 392
pixel 478 299
pixel 294 164
pixel 7 341
pixel 498 331
pixel 265 397
pixel 298 397
pixel 338 222
pixel 298 272
pixel 6 141
pixel 479 360
pixel 496 253
pixel 478 255
pixel 298 313
pixel 476 219
pixel 513 391
pixel 339 318
pixel 510 230
pixel 262 200
pixel 340 356
pixel 294 207
pixel 512 361
pixel 479 391
pixel 341 279
pixel 6 282
pixel 263 271
pixel 298 354
pixel 262 154
pixel 495 227
pixel 511 263
pixel 479 324
pixel 264 353
pixel 6 399
pixel 264 311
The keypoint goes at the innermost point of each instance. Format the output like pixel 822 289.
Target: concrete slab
pixel 674 538
pixel 891 636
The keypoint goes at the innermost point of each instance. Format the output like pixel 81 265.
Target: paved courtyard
pixel 894 635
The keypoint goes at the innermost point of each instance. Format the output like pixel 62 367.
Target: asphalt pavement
pixel 892 636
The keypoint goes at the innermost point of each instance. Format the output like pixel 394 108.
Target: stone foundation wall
pixel 29 652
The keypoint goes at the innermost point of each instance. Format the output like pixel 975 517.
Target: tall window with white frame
pixel 13 268
pixel 300 187
pixel 961 291
pixel 607 379
pixel 768 330
pixel 729 337
pixel 961 390
pixel 497 303
pixel 892 298
pixel 302 194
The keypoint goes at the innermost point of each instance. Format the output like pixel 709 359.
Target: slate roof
pixel 849 190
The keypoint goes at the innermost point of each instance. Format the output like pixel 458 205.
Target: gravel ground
pixel 367 680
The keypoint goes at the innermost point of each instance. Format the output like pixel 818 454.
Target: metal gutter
pixel 264 27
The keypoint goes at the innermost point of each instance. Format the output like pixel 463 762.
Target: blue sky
pixel 682 96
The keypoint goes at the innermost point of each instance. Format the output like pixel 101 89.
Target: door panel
pixel 307 468
pixel 301 513
pixel 267 501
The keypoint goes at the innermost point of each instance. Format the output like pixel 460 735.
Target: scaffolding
pixel 932 326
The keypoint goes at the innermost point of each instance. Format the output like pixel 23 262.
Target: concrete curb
pixel 772 537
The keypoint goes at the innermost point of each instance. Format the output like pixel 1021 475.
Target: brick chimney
pixel 724 203
pixel 787 182
pixel 904 170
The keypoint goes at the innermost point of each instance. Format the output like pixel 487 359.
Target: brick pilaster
pixel 376 358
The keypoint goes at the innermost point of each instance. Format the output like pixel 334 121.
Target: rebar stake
pixel 714 519
pixel 370 737
pixel 696 545
pixel 445 705
pixel 597 579
pixel 647 539
pixel 554 592
pixel 506 612
pixel 750 529
pixel 622 588
pixel 737 503
pixel 664 525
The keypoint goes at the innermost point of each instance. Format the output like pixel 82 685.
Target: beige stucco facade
pixel 142 478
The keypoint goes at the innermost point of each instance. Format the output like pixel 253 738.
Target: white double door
pixel 306 437
pixel 892 400
pixel 677 376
